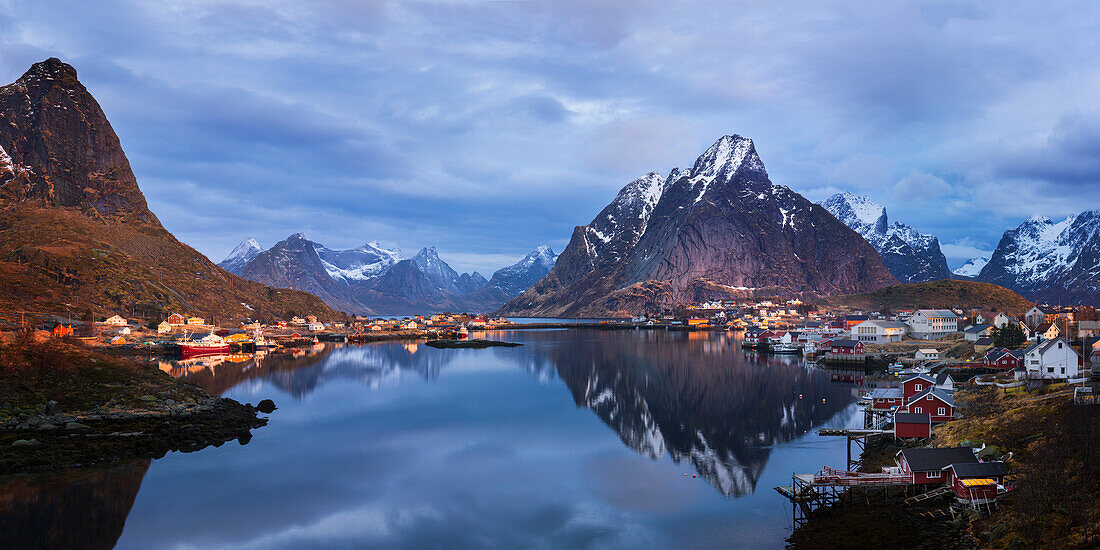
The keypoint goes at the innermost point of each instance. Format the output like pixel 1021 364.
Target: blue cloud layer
pixel 486 128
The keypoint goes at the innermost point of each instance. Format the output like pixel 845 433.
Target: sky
pixel 489 128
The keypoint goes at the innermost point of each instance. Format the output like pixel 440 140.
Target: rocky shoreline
pixel 55 440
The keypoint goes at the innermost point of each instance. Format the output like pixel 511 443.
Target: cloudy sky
pixel 488 128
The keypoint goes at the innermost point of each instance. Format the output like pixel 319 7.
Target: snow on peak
pixel 722 160
pixel 855 209
pixel 972 267
pixel 357 264
pixel 247 247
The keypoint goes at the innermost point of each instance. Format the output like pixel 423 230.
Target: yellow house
pixel 237 338
pixel 196 321
pixel 164 328
pixel 118 341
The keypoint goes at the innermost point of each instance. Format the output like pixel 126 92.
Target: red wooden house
pixel 926 465
pixel 846 347
pixel 1003 359
pixel 176 319
pixel 915 384
pixel 63 330
pixel 934 401
pixel 991 470
pixel 912 425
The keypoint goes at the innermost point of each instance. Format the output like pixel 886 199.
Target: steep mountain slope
pixel 241 255
pixel 1048 261
pixel 719 229
pixel 972 267
pixel 911 256
pixel 75 230
pixel 522 275
pixel 941 294
pixel 357 264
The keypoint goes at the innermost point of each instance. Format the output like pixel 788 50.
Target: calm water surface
pixel 578 439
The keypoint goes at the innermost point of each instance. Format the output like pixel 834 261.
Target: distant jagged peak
pixel 972 267
pixel 50 69
pixel 858 209
pixel 247 245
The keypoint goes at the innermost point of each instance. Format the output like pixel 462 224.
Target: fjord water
pixel 577 439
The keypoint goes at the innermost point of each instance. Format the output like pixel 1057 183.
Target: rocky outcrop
pixel 75 231
pixel 721 228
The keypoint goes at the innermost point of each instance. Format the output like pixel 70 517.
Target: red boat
pixel 210 344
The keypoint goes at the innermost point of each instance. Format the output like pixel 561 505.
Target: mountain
pixel 522 275
pixel 76 233
pixel 1047 261
pixel 911 256
pixel 357 264
pixel 241 255
pixel 294 263
pixel 940 294
pixel 371 279
pixel 720 229
pixel 972 267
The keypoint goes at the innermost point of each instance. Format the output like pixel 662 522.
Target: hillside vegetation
pixel 945 293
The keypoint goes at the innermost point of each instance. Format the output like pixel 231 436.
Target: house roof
pixel 942 395
pixel 921 376
pixel 983 341
pixel 886 393
pixel 928 351
pixel 943 377
pixel 943 313
pixel 975 329
pixel 923 460
pixel 843 343
pixel 978 469
pixel 912 418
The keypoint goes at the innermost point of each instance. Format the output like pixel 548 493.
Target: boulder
pixel 266 406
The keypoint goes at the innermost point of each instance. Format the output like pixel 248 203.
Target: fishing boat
pixel 463 332
pixel 210 344
pixel 786 349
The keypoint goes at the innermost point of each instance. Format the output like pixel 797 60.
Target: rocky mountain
pixel 76 233
pixel 720 229
pixel 911 256
pixel 357 264
pixel 1047 261
pixel 522 275
pixel 371 279
pixel 294 263
pixel 241 255
pixel 972 267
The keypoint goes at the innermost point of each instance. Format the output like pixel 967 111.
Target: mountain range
pixel 372 279
pixel 718 229
pixel 911 256
pixel 76 232
pixel 1048 261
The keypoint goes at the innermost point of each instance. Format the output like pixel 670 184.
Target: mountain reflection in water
pixel 695 396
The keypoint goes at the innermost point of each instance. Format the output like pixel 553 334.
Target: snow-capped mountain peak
pixel 522 275
pixel 910 255
pixel 357 264
pixel 972 267
pixel 723 159
pixel 241 254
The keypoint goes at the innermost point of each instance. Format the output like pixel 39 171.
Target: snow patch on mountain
pixel 522 275
pixel 1042 253
pixel 721 160
pixel 358 264
pixel 972 267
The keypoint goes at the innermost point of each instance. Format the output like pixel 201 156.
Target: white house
pixel 164 327
pixel 877 331
pixel 927 354
pixel 1035 316
pixel 945 382
pixel 993 320
pixel 411 325
pixel 116 321
pixel 973 332
pixel 316 326
pixel 931 324
pixel 124 330
pixel 1052 359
